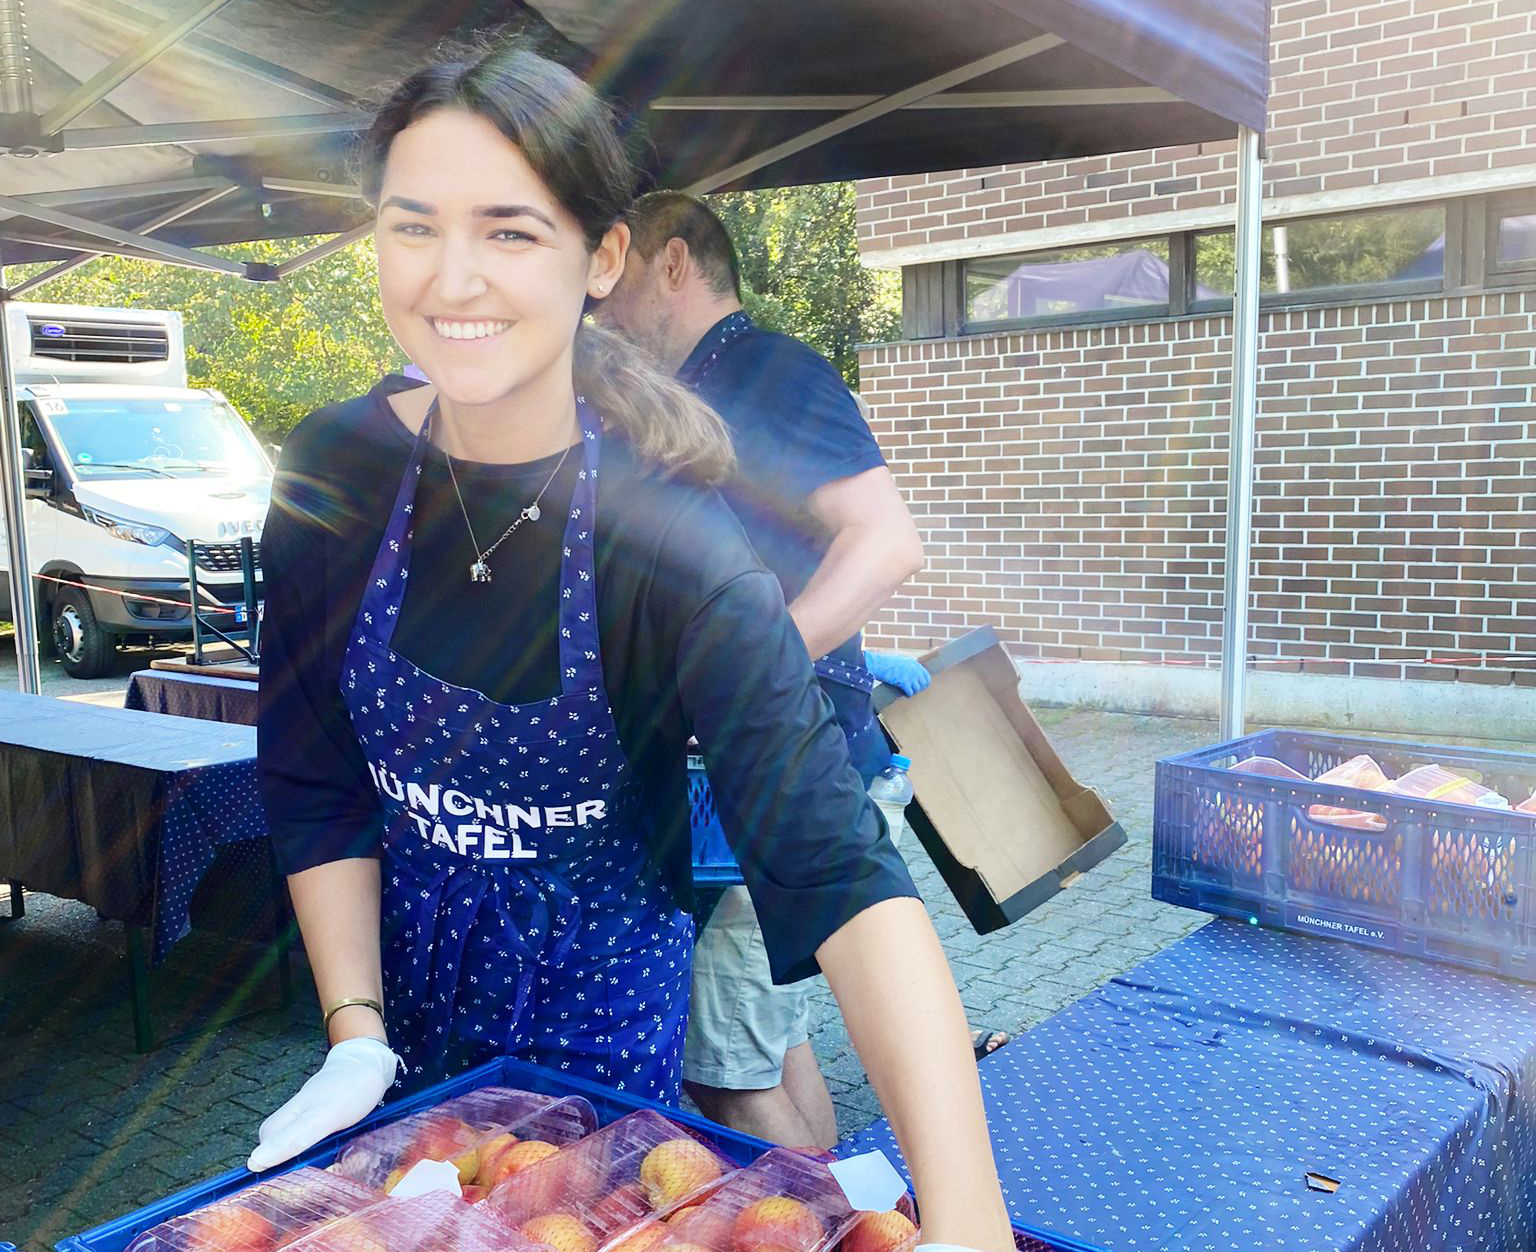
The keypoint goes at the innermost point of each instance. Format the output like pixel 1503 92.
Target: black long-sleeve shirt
pixel 695 640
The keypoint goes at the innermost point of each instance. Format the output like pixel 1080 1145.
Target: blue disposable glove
pixel 906 675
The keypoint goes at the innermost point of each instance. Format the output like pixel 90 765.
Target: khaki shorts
pixel 739 1024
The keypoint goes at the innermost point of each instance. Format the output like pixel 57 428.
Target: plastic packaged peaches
pixel 533 1173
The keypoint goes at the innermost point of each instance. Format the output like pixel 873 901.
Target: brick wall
pixel 1365 94
pixel 1071 486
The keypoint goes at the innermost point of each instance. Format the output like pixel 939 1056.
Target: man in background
pixel 817 501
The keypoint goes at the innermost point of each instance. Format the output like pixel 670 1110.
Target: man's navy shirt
pixel 796 427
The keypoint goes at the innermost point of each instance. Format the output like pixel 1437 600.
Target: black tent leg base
pixel 18 900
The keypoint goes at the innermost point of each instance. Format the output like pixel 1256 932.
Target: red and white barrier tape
pixel 134 595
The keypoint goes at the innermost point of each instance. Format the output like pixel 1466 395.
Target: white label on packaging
pixel 869 1180
pixel 427 1176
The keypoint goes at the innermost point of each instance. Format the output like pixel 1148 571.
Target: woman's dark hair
pixel 567 134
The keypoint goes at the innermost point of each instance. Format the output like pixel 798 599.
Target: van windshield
pixel 194 435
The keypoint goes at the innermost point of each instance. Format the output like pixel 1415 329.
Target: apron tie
pixel 448 907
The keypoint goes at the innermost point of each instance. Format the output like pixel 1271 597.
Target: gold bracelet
pixel 325 1024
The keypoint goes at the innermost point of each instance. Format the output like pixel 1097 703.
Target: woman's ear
pixel 606 264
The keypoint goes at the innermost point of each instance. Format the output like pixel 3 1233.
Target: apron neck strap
pixel 581 665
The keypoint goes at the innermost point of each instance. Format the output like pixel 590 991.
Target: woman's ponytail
pixel 662 420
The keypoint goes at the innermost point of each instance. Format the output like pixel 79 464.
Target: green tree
pixel 277 350
pixel 801 272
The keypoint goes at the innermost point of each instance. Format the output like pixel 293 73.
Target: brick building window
pixel 1463 244
pixel 1069 282
pixel 1511 248
pixel 1329 256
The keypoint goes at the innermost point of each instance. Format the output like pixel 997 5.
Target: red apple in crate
pixel 230 1228
pixel 676 1169
pixel 778 1223
pixel 562 1232
pixel 879 1232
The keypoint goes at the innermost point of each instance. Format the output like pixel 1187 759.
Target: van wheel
pixel 83 648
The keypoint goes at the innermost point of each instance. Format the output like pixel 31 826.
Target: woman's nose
pixel 460 275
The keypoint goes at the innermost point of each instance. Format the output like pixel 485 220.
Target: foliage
pixel 279 350
pixel 801 272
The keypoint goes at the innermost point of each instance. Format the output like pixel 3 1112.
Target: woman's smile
pixel 464 328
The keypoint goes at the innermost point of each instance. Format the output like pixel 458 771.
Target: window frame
pixel 939 308
pixel 1086 317
pixel 1497 273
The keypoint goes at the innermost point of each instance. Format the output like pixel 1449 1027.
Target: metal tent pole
pixel 1245 365
pixel 15 99
pixel 14 494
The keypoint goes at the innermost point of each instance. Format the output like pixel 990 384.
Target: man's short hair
pixel 664 215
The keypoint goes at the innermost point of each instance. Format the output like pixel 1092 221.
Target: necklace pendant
pixel 479 572
pixel 532 512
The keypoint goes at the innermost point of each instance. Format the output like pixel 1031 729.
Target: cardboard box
pixel 1003 819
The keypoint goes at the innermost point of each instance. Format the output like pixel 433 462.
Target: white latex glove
pixel 349 1086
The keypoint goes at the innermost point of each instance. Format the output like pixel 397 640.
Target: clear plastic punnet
pixel 785 1201
pixel 489 1133
pixel 436 1222
pixel 271 1214
pixel 616 1179
pixel 1361 772
pixel 1268 767
pixel 1435 782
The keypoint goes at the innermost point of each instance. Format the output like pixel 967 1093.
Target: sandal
pixel 984 1041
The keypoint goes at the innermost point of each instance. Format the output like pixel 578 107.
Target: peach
pixel 229 1228
pixel 560 1231
pixel 676 1169
pixel 879 1232
pixel 498 1160
pixel 777 1223
pixel 642 1238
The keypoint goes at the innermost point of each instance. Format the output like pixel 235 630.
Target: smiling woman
pixel 476 784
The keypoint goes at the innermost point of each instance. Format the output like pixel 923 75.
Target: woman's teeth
pixel 467 330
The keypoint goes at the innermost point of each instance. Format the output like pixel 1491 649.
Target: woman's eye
pixel 414 229
pixel 512 236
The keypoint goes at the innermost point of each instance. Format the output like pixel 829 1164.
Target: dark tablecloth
pixel 1182 1105
pixel 122 809
pixel 202 696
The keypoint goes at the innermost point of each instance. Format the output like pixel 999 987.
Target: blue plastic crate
pixel 1444 881
pixel 714 865
pixel 114 1236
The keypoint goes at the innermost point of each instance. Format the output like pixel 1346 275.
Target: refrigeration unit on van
pixel 126 465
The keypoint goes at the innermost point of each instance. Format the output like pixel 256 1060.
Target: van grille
pixel 68 339
pixel 224 558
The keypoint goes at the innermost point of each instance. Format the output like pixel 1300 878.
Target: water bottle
pixel 892 792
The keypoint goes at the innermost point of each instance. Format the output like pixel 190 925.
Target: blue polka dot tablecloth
pixel 205 696
pixel 124 810
pixel 1184 1105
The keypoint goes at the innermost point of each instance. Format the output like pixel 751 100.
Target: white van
pixel 125 464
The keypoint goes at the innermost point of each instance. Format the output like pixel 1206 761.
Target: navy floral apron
pixel 522 914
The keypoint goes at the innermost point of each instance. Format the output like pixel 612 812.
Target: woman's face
pixel 482 272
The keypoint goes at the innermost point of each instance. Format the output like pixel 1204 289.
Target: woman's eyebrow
pixel 514 210
pixel 410 206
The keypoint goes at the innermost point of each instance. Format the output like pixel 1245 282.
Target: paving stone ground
pixel 89 1130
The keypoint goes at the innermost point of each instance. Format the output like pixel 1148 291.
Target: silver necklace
pixel 479 571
